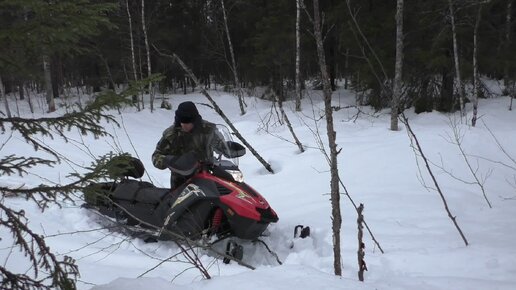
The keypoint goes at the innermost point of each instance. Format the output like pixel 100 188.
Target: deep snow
pixel 423 250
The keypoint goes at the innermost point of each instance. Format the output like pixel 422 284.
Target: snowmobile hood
pixel 248 203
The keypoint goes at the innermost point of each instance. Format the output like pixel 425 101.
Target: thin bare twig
pixel 412 135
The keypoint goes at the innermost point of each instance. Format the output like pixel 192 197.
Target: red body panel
pixel 244 203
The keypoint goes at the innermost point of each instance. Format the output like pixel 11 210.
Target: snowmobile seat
pixel 139 191
pixel 152 195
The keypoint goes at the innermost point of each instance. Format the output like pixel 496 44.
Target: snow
pixel 423 249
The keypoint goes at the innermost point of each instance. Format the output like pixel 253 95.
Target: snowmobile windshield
pixel 227 149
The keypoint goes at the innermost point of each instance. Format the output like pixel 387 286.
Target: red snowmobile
pixel 213 202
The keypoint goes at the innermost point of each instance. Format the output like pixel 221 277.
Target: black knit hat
pixel 186 113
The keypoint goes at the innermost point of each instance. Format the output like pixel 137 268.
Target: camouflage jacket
pixel 202 140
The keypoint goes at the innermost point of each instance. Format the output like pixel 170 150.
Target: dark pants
pixel 176 180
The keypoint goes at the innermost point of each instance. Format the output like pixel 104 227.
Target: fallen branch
pixel 412 136
pixel 289 125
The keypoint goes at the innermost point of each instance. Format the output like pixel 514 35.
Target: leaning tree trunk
pixel 475 68
pixel 420 152
pixel 233 63
pixel 396 91
pixel 217 109
pixel 298 57
pixel 456 57
pixel 334 182
pixel 289 125
pixel 149 71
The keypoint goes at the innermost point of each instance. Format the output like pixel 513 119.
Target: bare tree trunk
pixel 2 94
pixel 456 57
pixel 233 63
pixel 149 71
pixel 133 59
pixel 396 91
pixel 298 57
pixel 346 69
pixel 475 67
pixel 508 16
pixel 509 85
pixel 334 182
pixel 48 85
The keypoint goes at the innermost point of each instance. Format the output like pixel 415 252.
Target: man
pixel 188 133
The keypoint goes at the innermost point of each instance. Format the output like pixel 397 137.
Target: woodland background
pixel 91 45
pixel 426 55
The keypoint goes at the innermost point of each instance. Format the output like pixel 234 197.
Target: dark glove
pixel 169 160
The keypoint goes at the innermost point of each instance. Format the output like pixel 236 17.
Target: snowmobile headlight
pixel 238 176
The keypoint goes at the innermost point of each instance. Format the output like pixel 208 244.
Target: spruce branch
pixel 61 273
pixel 12 164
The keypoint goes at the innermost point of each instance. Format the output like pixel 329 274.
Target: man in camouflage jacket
pixel 188 133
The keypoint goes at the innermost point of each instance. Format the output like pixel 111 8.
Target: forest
pixel 50 47
pixel 68 66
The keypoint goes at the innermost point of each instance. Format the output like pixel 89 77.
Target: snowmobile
pixel 213 202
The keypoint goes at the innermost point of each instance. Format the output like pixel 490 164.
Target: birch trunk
pixel 133 59
pixel 475 68
pixel 149 71
pixel 298 57
pixel 233 62
pixel 396 91
pixel 509 86
pixel 48 85
pixel 2 94
pixel 334 182
pixel 508 20
pixel 456 56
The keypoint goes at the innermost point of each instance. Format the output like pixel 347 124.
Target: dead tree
pixel 456 56
pixel 216 107
pixel 298 56
pixel 320 143
pixel 509 85
pixel 233 65
pixel 332 135
pixel 396 91
pixel 363 220
pixel 147 49
pixel 506 65
pixel 133 59
pixel 475 68
pixel 361 246
pixel 419 149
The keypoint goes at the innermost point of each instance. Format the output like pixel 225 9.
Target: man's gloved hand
pixel 169 159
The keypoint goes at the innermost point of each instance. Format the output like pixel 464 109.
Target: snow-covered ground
pixel 423 249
